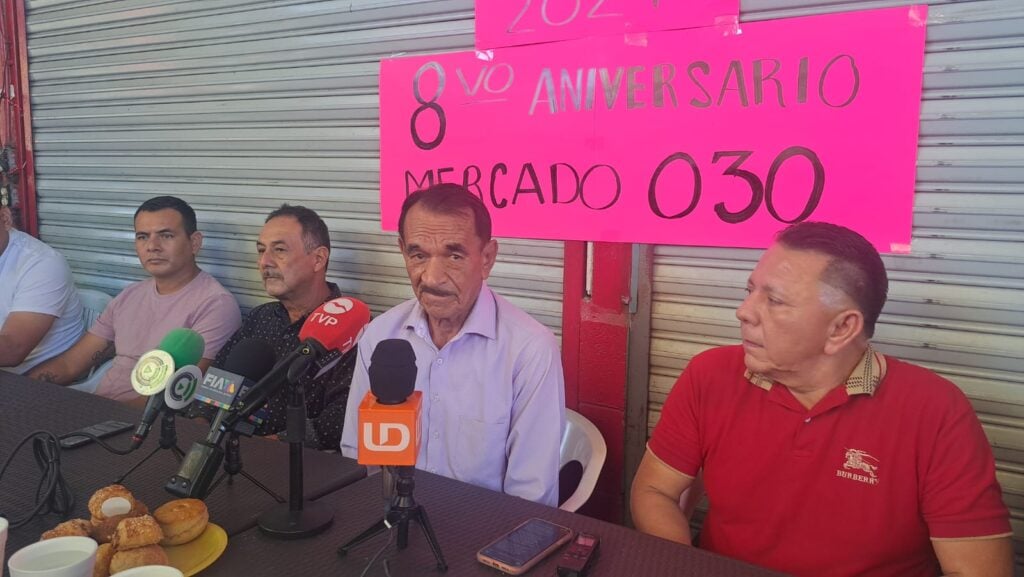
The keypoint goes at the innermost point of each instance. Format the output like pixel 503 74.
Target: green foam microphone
pixel 184 345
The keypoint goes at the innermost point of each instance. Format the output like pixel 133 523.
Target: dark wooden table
pixel 464 518
pixel 27 406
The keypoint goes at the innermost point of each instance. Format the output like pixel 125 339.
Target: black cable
pixel 52 494
pixel 391 533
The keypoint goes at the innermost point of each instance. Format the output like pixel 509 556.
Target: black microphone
pixel 392 371
pixel 250 360
pixel 392 374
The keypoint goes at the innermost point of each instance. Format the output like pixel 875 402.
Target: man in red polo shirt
pixel 820 455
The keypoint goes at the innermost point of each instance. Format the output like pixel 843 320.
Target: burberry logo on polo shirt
pixel 860 467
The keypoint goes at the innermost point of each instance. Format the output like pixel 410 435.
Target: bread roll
pixel 100 496
pixel 181 520
pixel 103 556
pixel 72 528
pixel 135 532
pixel 137 557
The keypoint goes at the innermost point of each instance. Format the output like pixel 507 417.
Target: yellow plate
pixel 200 553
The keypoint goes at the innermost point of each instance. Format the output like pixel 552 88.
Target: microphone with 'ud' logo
pixel 389 436
pixel 389 414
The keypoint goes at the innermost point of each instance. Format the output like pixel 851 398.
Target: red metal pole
pixel 23 103
pixel 16 110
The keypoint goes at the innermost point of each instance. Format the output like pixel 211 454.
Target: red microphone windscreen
pixel 337 324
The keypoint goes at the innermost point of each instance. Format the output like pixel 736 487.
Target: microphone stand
pixel 404 508
pixel 233 466
pixel 298 518
pixel 168 441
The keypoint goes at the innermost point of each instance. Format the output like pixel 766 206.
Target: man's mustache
pixel 424 289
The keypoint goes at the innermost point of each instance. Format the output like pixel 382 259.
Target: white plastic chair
pixel 581 442
pixel 89 384
pixel 93 303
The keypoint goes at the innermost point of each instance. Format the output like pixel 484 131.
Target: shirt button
pixel 440 361
pixel 432 470
pixel 807 420
pixel 436 435
pixel 435 397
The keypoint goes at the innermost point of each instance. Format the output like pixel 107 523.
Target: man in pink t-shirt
pixel 178 294
pixel 820 455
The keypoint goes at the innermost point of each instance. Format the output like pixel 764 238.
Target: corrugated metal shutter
pixel 956 304
pixel 236 106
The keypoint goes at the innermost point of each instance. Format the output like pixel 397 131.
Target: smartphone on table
pixel 101 430
pixel 521 548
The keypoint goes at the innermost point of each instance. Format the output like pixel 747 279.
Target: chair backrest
pixel 89 383
pixel 581 443
pixel 93 303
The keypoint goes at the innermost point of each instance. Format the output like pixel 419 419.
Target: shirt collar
pixel 282 312
pixel 482 319
pixel 863 380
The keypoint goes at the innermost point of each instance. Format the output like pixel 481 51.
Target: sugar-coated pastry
pixel 181 520
pixel 72 528
pixel 103 555
pixel 137 557
pixel 136 532
pixel 108 492
pixel 103 529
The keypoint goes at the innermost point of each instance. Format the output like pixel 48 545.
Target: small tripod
pixel 168 441
pixel 233 466
pixel 403 509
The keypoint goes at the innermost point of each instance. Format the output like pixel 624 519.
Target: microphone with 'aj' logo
pixel 389 414
pixel 182 387
pixel 154 370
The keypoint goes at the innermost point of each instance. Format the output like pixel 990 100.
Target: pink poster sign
pixel 714 136
pixel 516 22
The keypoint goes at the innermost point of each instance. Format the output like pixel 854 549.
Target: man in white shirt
pixel 40 314
pixel 493 391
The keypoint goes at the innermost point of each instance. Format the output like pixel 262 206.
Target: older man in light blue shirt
pixel 491 376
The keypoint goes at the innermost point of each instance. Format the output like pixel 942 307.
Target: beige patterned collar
pixel 864 379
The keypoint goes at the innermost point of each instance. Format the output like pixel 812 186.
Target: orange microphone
pixel 389 414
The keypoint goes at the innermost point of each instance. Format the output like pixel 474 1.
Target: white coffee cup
pixel 150 571
pixel 3 539
pixel 57 557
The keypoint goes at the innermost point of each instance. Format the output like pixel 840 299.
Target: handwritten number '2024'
pixel 577 5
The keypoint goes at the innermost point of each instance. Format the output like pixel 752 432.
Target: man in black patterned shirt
pixel 294 250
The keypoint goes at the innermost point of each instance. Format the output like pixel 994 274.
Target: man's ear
pixel 6 218
pixel 323 257
pixel 196 240
pixel 845 327
pixel 490 254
